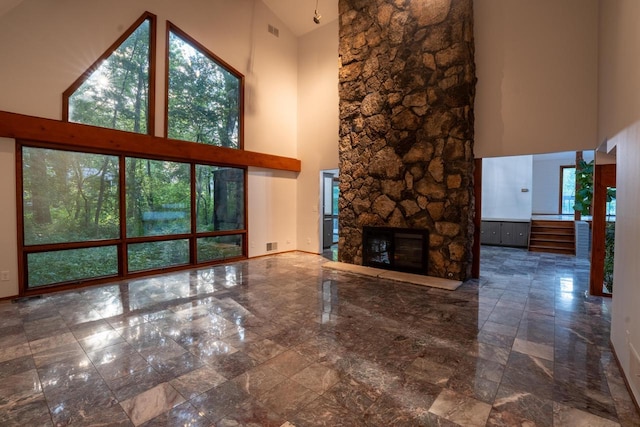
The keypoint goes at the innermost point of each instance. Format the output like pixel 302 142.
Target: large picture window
pixel 95 211
pixel 75 220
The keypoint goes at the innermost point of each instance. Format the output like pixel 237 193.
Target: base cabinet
pixel 505 233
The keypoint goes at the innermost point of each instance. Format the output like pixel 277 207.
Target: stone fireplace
pixel 399 249
pixel 407 86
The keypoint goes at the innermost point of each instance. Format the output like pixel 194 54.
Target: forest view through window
pixel 96 212
pixel 116 94
pixel 203 96
pixel 73 224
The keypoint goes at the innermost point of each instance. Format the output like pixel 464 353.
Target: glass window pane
pixel 116 95
pixel 204 97
pixel 154 255
pixel 69 196
pixel 46 268
pixel 219 199
pixel 568 190
pixel 217 248
pixel 158 197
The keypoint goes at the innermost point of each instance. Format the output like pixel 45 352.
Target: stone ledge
pixel 414 279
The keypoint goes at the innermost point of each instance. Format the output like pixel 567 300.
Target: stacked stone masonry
pixel 407 86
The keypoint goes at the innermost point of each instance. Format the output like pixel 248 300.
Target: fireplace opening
pixel 399 249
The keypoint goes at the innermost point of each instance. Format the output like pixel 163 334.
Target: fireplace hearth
pixel 399 249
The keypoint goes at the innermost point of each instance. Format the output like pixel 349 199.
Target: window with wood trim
pixel 116 92
pixel 203 94
pixel 90 215
pixel 567 190
pixel 99 210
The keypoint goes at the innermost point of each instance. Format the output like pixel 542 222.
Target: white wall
pixel 271 207
pixel 45 46
pixel 619 120
pixel 317 126
pixel 503 179
pixel 537 69
pixel 546 179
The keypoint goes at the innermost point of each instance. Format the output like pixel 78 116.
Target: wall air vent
pixel 272 246
pixel 273 30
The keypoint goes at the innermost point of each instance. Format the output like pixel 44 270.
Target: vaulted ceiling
pixel 297 15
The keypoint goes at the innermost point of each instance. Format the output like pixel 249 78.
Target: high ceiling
pixel 297 15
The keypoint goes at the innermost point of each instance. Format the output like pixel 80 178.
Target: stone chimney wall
pixel 407 87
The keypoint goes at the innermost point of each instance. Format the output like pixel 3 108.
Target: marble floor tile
pixel 259 381
pixel 16 366
pixel 197 381
pixel 76 405
pixel 572 417
pixel 280 341
pixel 288 363
pixel 183 414
pixel 513 408
pixel 542 351
pixel 33 411
pixel 61 354
pixel 151 403
pixel 324 412
pixel 288 397
pixel 317 377
pixel 131 385
pixel 49 343
pixel 220 401
pixel 102 339
pixel 460 409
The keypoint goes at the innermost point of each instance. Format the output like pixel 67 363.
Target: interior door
pixel 327 210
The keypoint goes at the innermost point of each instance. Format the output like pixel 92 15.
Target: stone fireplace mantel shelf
pixel 414 279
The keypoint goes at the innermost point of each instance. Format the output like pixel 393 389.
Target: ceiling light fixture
pixel 316 15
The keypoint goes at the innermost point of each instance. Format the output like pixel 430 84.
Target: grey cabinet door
pixel 521 234
pixel 507 232
pixel 490 233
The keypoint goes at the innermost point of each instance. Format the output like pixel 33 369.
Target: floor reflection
pixel 281 341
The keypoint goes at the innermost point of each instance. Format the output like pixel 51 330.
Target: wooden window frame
pixel 122 241
pixel 29 131
pixel 560 186
pixel 172 28
pixel 152 69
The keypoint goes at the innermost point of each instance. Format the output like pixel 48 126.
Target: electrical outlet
pixel 4 276
pixel 308 240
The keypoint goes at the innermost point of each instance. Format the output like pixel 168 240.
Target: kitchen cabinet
pixel 505 233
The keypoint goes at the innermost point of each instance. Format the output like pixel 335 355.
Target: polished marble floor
pixel 280 341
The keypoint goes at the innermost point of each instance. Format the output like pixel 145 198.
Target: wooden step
pixel 555 236
pixel 552 223
pixel 552 236
pixel 556 230
pixel 552 244
pixel 551 250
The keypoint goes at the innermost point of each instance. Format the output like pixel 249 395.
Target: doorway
pixel 329 217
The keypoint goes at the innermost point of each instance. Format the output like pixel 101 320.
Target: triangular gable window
pixel 116 92
pixel 203 94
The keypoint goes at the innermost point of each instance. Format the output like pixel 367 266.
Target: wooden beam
pixel 74 135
